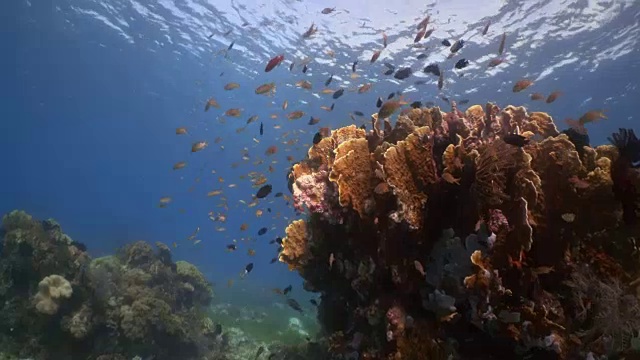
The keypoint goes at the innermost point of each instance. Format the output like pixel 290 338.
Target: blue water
pixel 89 110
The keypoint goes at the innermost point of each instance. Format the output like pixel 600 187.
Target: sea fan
pixel 628 145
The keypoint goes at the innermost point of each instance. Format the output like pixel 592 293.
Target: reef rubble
pixel 483 234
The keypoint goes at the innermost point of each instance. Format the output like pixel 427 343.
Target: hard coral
pixel 531 201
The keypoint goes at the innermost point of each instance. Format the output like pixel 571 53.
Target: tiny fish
pixel 388 72
pixel 379 102
pixel 353 67
pixel 275 61
pixel 456 46
pixel 287 290
pixel 338 93
pixel 461 64
pixel 294 305
pixel 537 96
pixel 486 28
pixel 495 62
pixel 261 129
pixel 181 131
pixel 358 113
pixel 446 42
pixel 291 66
pixel 313 121
pixel 199 145
pixel 247 269
pixel 375 56
pixel 441 80
pixel 328 10
pixel 422 56
pixel 502 42
pixel 273 260
pixel 432 69
pixel 259 352
pixel 390 96
pixel 179 165
pixel 515 140
pixel 521 85
pixel 316 138
pixel 553 96
pixel 231 45
pixel 402 73
pixel 211 103
pixel 262 231
pixel 416 104
pixel 304 69
pixel 328 81
pixel 264 191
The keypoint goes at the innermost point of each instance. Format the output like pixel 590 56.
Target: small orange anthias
pixel 622 172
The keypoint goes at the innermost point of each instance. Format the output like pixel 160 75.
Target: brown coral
pixel 295 246
pixel 353 173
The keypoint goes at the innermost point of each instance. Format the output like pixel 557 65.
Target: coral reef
pixel 478 234
pixel 58 303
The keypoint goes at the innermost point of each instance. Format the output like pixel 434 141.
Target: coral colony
pixel 486 234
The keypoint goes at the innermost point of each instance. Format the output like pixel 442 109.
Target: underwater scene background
pixel 197 179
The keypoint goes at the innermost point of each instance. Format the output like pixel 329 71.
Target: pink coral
pixel 315 193
pixel 497 221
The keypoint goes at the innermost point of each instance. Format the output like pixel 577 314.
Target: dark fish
pixel 457 46
pixel 461 64
pixel 358 113
pixel 390 96
pixel 416 104
pixel 210 36
pixel 313 121
pixel 316 138
pixel 446 42
pixel 262 231
pixel 486 28
pixel 273 260
pixel 248 268
pixel 432 69
pixel 326 83
pixel 502 43
pixel 259 352
pixel 279 240
pixel 332 106
pixel 389 66
pixel 313 302
pixel 402 73
pixel 279 249
pixel 218 330
pixel 419 82
pixel 269 209
pixel 231 45
pixel 287 290
pixel 338 93
pixel 304 69
pixel 294 305
pixel 353 67
pixel 379 102
pixel 264 191
pixel 445 99
pixel 363 127
pixel 422 56
pixel 516 140
pixel 278 194
pixel 228 32
pixel 463 101
pixel 291 66
pixel 261 128
pixel 232 247
pixel 388 72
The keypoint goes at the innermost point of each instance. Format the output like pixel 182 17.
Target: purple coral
pixel 317 194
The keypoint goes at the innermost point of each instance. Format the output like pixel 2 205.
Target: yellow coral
pixel 347 133
pixel 295 245
pixel 51 290
pixel 353 173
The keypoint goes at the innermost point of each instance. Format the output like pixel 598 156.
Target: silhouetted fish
pixel 432 69
pixel 462 63
pixel 262 231
pixel 379 102
pixel 326 83
pixel 402 73
pixel 515 140
pixel 338 93
pixel 390 96
pixel 446 42
pixel 264 191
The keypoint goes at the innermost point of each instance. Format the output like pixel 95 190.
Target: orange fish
pixel 179 165
pixel 553 96
pixel 384 40
pixel 521 85
pixel 199 145
pixel 181 131
pixel 211 102
pixel 537 96
pixel 235 112
pixel 295 115
pixel 231 86
pixel 364 88
pixel 304 84
pixel 375 57
pixel 268 89
pixel 271 150
pixel 389 107
pixel 285 105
